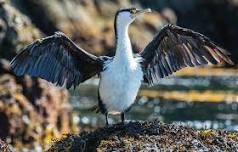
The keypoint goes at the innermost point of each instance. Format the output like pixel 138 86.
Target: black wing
pixel 174 48
pixel 58 60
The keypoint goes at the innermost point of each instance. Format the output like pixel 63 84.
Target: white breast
pixel 119 85
pixel 120 82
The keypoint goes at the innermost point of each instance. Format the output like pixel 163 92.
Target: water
pixel 197 101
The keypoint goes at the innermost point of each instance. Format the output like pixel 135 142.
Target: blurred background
pixel 33 112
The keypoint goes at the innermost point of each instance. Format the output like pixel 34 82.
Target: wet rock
pixel 148 136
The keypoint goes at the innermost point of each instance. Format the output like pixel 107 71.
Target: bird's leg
pixel 106 115
pixel 122 117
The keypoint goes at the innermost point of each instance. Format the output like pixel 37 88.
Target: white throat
pixel 123 43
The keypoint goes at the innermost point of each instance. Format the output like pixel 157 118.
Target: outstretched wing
pixel 58 60
pixel 174 48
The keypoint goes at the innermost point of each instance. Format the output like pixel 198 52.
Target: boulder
pixel 148 136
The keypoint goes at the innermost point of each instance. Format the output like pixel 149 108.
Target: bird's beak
pixel 148 10
pixel 140 11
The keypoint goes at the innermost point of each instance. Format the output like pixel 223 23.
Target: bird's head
pixel 127 16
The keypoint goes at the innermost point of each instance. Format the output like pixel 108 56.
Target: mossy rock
pixel 148 136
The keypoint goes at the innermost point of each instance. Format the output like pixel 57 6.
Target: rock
pixel 30 109
pixel 33 112
pixel 16 30
pixel 148 136
pixel 4 147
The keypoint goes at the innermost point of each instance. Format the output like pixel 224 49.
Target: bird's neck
pixel 123 44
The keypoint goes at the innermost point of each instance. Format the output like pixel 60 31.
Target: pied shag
pixel 59 60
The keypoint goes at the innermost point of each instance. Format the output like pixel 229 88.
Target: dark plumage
pixel 58 60
pixel 174 48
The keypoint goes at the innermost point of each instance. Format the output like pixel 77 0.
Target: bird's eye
pixel 133 11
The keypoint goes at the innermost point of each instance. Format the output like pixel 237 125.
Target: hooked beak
pixel 148 10
pixel 140 11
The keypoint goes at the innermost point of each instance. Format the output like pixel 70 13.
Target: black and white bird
pixel 59 60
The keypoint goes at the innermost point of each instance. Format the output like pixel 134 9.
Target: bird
pixel 59 60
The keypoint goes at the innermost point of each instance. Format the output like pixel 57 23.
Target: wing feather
pixel 174 48
pixel 58 60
